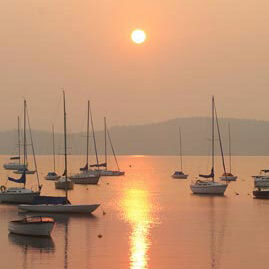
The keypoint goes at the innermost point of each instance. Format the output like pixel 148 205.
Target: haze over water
pixel 152 221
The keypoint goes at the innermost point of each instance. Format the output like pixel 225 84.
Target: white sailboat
pixel 16 160
pixel 180 174
pixel 87 176
pixel 24 169
pixel 105 171
pixel 53 175
pixel 229 176
pixel 21 194
pixel 63 207
pixel 211 186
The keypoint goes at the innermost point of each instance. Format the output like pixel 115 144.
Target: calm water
pixel 151 221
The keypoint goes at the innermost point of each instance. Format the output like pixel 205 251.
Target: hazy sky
pixel 194 49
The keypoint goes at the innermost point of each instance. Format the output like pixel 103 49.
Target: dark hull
pixel 261 194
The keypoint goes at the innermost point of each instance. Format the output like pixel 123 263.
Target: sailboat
pixel 24 169
pixel 21 194
pixel 105 171
pixel 50 204
pixel 211 186
pixel 229 176
pixel 180 174
pixel 52 175
pixel 16 160
pixel 87 176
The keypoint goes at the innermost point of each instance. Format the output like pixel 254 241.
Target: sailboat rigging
pixel 211 186
pixel 87 176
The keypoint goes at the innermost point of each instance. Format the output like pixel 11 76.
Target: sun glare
pixel 138 36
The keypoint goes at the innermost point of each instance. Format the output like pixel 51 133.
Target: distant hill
pixel 249 137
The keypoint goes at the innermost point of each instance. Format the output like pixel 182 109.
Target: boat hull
pixel 180 176
pixel 84 178
pixel 27 172
pixel 59 208
pixel 214 189
pixel 228 178
pixel 61 185
pixel 18 198
pixel 109 173
pixel 33 229
pixel 52 177
pixel 261 194
pixel 14 166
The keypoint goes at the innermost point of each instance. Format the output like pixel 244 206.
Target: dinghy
pixel 35 226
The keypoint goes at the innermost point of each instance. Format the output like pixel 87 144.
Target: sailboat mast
pixel 213 142
pixel 24 137
pixel 33 150
pixel 105 143
pixel 24 134
pixel 115 157
pixel 180 150
pixel 65 148
pixel 53 148
pixel 19 140
pixel 94 141
pixel 87 153
pixel 230 151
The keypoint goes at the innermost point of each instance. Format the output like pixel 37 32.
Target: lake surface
pixel 147 220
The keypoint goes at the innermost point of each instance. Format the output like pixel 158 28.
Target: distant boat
pixel 211 186
pixel 16 160
pixel 34 226
pixel 24 169
pixel 262 180
pixel 106 172
pixel 87 176
pixel 229 176
pixel 180 174
pixel 48 204
pixel 21 194
pixel 53 175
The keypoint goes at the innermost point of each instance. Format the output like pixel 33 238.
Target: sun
pixel 138 36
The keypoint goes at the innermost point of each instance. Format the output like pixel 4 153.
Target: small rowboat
pixel 35 226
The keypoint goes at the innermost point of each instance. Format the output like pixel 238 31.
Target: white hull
pixel 214 188
pixel 228 178
pixel 34 229
pixel 110 173
pixel 14 166
pixel 18 198
pixel 59 208
pixel 85 178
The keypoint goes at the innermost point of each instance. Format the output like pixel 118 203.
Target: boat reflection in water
pixel 138 212
pixel 43 244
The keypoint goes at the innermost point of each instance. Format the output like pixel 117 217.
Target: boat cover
pixel 98 165
pixel 50 200
pixel 22 179
pixel 211 175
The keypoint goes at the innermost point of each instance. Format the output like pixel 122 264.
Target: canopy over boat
pixel 265 170
pixel 22 179
pixel 50 200
pixel 98 165
pixel 211 175
pixel 178 173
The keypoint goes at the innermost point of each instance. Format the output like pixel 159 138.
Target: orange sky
pixel 194 49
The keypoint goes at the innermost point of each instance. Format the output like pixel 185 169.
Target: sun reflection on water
pixel 138 212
